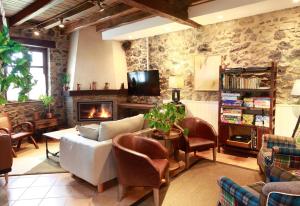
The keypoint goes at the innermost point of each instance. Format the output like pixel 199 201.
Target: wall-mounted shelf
pixel 96 92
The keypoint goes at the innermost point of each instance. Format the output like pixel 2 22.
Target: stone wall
pixel 251 41
pixel 58 58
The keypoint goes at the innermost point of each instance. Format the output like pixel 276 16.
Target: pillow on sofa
pixel 109 130
pixel 292 187
pixel 89 131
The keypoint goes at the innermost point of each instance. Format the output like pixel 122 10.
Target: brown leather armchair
pixel 5 155
pixel 201 136
pixel 141 162
pixel 17 132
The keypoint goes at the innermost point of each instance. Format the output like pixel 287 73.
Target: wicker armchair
pixel 284 190
pixel 278 151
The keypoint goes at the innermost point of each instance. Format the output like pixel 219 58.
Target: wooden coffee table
pixel 176 166
pixel 57 135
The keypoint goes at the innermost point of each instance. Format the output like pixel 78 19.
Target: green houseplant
pixel 14 69
pixel 65 81
pixel 163 117
pixel 47 102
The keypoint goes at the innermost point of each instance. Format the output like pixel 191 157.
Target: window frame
pixel 45 66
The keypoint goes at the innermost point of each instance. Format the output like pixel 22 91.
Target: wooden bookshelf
pixel 229 130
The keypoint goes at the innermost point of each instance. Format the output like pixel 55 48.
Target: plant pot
pixel 172 133
pixel 49 115
pixel 66 88
pixel 36 116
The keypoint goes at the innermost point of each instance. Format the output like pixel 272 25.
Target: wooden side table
pixel 46 124
pixel 176 165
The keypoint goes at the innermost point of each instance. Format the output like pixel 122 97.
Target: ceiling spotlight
pixel 101 9
pixel 100 4
pixel 220 17
pixel 61 24
pixel 36 32
pixel 296 1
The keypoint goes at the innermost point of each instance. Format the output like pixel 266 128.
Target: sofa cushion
pixel 89 131
pixel 110 129
pixel 292 187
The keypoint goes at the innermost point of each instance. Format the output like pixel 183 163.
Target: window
pixel 39 71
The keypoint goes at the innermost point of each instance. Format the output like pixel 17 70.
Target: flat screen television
pixel 143 83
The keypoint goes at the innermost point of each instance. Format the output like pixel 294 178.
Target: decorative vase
pixel 106 86
pixel 36 116
pixel 49 115
pixel 66 88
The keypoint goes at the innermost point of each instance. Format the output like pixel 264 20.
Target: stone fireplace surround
pixel 72 100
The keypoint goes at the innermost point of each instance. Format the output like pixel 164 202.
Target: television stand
pixel 132 109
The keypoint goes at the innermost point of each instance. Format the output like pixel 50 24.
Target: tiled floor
pixel 59 190
pixel 63 189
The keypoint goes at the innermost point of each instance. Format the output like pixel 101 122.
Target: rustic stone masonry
pixel 251 41
pixel 58 57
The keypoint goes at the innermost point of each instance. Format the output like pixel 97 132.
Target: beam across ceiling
pixel 32 10
pixel 109 13
pixel 75 11
pixel 176 11
pixel 122 20
pixel 197 2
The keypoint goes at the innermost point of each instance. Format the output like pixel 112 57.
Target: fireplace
pixel 95 111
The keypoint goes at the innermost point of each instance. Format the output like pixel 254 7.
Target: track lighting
pixel 100 4
pixel 61 24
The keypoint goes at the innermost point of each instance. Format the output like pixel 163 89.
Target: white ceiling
pixel 208 13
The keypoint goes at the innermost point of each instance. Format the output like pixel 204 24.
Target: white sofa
pixel 93 160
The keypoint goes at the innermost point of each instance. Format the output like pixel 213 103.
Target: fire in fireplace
pixel 95 111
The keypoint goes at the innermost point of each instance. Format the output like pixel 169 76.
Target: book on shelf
pixel 262 102
pixel 262 121
pixel 238 82
pixel 248 119
pixel 248 102
pixel 231 99
pixel 233 116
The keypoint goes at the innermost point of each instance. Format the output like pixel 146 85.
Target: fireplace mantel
pixel 73 93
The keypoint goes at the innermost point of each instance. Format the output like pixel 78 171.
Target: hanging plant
pixel 14 69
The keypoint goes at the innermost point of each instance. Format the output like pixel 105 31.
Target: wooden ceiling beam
pixel 122 20
pixel 176 11
pixel 197 2
pixel 32 10
pixel 108 13
pixel 76 10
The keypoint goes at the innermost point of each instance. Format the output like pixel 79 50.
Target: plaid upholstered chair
pixel 278 151
pixel 283 190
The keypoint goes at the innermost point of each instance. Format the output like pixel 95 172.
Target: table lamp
pixel 296 92
pixel 176 83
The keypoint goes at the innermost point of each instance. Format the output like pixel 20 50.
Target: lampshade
pixel 176 82
pixel 296 88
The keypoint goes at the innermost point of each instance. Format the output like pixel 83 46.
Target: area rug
pixel 46 167
pixel 198 185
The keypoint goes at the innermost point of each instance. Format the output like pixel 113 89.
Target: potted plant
pixel 47 102
pixel 164 117
pixel 15 63
pixel 65 81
